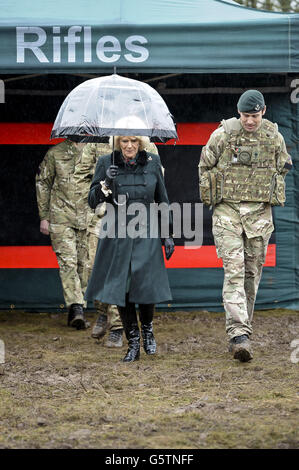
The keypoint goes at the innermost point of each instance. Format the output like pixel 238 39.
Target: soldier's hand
pixel 44 227
pixel 169 247
pixel 110 175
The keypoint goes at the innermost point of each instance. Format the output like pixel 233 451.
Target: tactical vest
pixel 247 166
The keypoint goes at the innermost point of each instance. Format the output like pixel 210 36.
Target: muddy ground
pixel 60 389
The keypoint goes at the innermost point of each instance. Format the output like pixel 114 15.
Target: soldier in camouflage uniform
pixel 242 170
pixel 62 209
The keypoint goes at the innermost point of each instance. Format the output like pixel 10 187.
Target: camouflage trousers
pixel 69 245
pixel 113 318
pixel 243 260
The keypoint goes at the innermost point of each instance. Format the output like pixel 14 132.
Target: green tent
pixel 204 40
pixel 145 35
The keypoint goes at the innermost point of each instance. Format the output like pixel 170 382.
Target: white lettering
pixel 108 223
pixel 71 39
pixel 56 45
pixel 122 216
pixel 33 46
pixel 108 48
pixel 102 49
pixel 197 233
pixel 295 93
pixel 117 460
pixel 87 44
pixel 129 43
pixel 137 226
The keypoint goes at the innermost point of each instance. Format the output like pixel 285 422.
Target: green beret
pixel 252 101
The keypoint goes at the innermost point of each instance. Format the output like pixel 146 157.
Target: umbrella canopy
pixel 105 106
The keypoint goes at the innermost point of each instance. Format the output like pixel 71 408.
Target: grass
pixel 59 388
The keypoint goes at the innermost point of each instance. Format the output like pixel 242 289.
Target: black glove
pixel 169 247
pixel 110 175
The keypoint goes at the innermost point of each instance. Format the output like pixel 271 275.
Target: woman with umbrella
pixel 129 266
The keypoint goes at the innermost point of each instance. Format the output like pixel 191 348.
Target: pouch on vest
pixel 277 196
pixel 210 187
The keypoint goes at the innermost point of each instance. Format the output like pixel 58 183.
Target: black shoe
pixel 76 317
pixel 70 316
pixel 133 337
pixel 149 342
pixel 240 348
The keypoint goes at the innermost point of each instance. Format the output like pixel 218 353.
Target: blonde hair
pixel 143 141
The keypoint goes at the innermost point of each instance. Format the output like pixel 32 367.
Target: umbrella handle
pixel 113 183
pixel 123 203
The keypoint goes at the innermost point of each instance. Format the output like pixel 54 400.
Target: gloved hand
pixel 169 247
pixel 110 175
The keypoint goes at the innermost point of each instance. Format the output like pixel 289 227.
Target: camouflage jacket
pixel 82 178
pixel 61 192
pixel 237 166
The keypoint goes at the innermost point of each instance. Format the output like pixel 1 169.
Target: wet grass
pixel 59 388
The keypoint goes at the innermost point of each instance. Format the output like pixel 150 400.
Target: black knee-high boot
pixel 146 315
pixel 129 320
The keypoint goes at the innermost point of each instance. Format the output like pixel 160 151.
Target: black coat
pixel 121 256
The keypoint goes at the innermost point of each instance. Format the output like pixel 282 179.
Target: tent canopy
pixel 145 36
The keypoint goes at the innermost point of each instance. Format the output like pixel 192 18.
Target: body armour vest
pixel 248 164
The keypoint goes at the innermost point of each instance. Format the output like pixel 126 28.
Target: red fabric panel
pixel 27 257
pixel 206 257
pixel 19 133
pixel 195 133
pixel 44 257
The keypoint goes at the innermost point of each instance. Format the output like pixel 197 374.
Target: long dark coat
pixel 116 257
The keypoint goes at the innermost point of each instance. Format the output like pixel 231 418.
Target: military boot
pixel 70 316
pixel 76 317
pixel 129 320
pixel 100 326
pixel 115 339
pixel 146 315
pixel 240 347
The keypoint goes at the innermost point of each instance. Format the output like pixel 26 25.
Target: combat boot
pixel 146 315
pixel 240 347
pixel 115 339
pixel 76 317
pixel 100 326
pixel 129 320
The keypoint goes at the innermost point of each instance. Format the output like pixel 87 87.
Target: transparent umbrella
pixel 94 110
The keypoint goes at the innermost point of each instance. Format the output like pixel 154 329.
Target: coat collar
pixel 119 161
